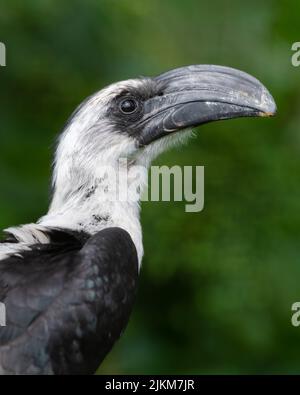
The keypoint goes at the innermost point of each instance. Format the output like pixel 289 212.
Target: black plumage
pixel 67 302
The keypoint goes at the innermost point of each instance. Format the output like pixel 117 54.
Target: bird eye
pixel 128 106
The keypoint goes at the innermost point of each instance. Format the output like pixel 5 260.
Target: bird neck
pixel 109 197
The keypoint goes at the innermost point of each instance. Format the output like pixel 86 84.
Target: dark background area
pixel 216 287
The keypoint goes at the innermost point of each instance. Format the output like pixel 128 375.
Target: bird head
pixel 127 117
pixel 139 118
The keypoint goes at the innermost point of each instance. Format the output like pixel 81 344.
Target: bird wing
pixel 66 304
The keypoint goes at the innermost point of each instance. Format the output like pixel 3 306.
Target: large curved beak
pixel 194 95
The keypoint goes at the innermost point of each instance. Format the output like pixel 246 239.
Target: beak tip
pixel 267 114
pixel 268 105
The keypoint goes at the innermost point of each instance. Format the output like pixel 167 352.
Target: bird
pixel 69 280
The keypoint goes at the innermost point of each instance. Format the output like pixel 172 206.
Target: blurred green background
pixel 217 286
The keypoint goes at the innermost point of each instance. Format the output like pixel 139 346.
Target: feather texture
pixel 67 302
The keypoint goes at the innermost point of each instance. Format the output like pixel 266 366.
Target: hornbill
pixel 69 281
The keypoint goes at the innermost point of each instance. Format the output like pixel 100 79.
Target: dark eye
pixel 128 106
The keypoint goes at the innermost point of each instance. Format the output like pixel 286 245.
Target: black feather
pixel 67 302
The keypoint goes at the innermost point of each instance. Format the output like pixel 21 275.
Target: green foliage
pixel 216 287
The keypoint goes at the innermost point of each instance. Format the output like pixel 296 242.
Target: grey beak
pixel 194 95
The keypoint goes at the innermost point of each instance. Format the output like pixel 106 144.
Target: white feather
pixel 81 201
